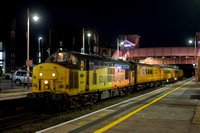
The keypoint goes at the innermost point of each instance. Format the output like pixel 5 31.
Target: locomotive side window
pixel 91 65
pixel 82 65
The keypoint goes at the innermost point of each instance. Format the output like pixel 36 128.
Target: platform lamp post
pixel 39 50
pixel 89 35
pixel 195 49
pixel 28 62
pixel 195 56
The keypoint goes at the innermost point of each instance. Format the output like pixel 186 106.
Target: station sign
pixel 29 62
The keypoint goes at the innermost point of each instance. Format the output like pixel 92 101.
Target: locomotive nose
pixel 49 77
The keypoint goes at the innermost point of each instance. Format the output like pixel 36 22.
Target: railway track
pixel 20 119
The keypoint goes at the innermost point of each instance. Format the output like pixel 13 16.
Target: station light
pixel 89 34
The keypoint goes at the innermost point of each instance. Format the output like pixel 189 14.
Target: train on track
pixel 76 78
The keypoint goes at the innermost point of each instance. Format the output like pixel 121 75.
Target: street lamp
pixel 190 41
pixel 35 18
pixel 28 64
pixel 39 51
pixel 89 35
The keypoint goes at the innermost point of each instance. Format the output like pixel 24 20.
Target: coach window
pixel 126 73
pixel 138 70
pixel 133 73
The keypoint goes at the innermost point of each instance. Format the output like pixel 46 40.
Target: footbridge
pixel 162 55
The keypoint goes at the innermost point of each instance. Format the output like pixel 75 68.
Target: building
pixel 2 57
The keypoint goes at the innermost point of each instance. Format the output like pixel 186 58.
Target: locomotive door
pixel 132 77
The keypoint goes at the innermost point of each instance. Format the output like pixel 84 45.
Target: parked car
pixel 8 75
pixel 20 77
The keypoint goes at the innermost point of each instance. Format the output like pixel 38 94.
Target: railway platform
pixel 173 108
pixel 8 94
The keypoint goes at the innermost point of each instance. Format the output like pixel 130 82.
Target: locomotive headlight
pixel 46 82
pixel 53 74
pixel 40 74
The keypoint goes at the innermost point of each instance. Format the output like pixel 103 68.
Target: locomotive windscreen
pixel 62 57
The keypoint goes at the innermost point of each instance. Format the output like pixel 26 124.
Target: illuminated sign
pixel 1 46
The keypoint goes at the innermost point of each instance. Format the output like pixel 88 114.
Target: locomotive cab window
pixel 63 57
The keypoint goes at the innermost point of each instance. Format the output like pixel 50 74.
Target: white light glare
pixel 40 74
pixel 35 18
pixel 89 34
pixel 190 41
pixel 46 82
pixel 53 74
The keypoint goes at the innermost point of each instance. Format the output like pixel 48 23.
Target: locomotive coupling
pixel 56 97
pixel 31 95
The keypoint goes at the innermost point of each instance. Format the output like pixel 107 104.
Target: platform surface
pixel 8 94
pixel 169 109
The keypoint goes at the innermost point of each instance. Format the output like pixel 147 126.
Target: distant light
pixel 35 18
pixel 121 43
pixel 127 45
pixel 190 41
pixel 40 38
pixel 192 73
pixel 89 34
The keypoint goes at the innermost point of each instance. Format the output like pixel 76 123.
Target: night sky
pixel 160 23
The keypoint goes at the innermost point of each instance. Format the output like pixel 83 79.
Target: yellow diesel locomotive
pixel 77 79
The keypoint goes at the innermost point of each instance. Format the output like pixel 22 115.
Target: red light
pixel 192 72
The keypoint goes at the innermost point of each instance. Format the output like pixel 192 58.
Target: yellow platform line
pixel 13 94
pixel 103 129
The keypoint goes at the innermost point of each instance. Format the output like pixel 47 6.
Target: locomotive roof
pixel 97 57
pixel 142 64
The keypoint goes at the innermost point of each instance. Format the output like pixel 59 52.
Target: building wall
pixel 108 52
